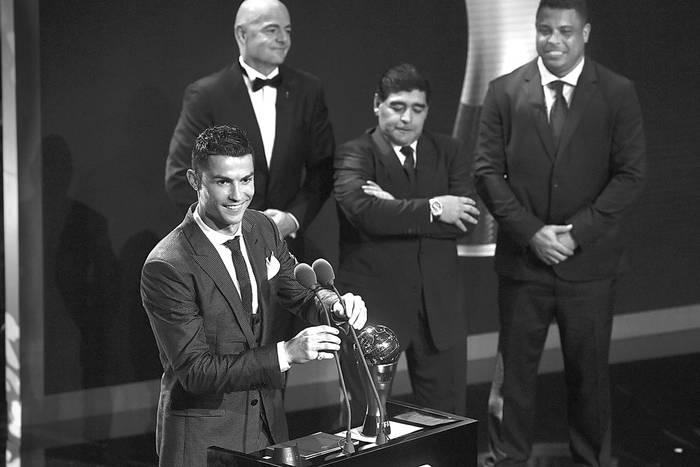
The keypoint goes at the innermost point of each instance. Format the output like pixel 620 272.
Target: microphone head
pixel 305 275
pixel 324 272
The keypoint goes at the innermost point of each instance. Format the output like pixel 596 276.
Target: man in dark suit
pixel 284 112
pixel 207 288
pixel 402 198
pixel 559 159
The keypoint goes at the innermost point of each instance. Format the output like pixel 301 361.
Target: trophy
pixel 381 350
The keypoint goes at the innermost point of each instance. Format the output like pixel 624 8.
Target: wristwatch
pixel 435 207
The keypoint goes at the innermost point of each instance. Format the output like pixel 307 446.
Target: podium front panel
pixel 441 440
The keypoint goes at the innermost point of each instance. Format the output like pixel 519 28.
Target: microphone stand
pixel 382 436
pixel 348 446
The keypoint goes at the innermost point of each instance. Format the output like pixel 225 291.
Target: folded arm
pixel 377 212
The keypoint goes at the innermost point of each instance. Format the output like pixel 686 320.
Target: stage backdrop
pixel 112 78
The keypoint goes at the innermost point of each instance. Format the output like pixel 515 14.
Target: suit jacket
pixel 589 181
pixel 390 252
pixel 299 177
pixel 218 380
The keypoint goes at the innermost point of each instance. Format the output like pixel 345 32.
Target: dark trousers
pixel 583 312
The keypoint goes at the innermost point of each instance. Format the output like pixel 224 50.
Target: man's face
pixel 561 39
pixel 401 116
pixel 266 41
pixel 225 188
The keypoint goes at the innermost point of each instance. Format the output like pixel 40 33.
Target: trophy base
pixel 370 427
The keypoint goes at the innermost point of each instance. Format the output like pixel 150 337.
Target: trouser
pixel 583 312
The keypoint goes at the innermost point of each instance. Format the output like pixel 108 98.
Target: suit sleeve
pixel 318 181
pixel 173 309
pixel 408 217
pixel 491 172
pixel 194 118
pixel 627 171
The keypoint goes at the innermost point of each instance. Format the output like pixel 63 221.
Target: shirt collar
pixel 214 236
pixel 413 145
pixel 252 73
pixel 571 78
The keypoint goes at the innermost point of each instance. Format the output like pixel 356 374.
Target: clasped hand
pixel 553 243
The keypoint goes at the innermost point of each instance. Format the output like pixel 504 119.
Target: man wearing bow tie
pixel 207 288
pixel 282 109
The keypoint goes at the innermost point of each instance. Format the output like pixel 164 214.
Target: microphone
pixel 324 272
pixel 325 275
pixel 306 276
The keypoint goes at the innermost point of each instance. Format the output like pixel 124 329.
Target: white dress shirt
pixel 263 101
pixel 570 81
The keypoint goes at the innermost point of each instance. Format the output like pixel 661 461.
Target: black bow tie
pixel 260 83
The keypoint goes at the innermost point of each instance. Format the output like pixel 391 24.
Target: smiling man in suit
pixel 207 289
pixel 282 108
pixel 560 158
pixel 402 194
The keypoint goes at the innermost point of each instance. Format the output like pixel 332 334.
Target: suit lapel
pixel 256 255
pixel 208 259
pixel 286 93
pixel 247 119
pixel 392 167
pixel 534 96
pixel 585 89
pixel 426 165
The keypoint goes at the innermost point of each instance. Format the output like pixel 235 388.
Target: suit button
pixel 254 402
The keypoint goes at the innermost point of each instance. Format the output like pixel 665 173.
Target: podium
pixel 431 438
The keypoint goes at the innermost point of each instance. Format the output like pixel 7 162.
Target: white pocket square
pixel 273 266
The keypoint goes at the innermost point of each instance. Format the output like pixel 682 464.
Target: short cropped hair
pixel 402 77
pixel 221 140
pixel 579 5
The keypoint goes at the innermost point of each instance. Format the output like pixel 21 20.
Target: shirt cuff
pixel 282 357
pixel 296 222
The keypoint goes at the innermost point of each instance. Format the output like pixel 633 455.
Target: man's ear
pixel 194 179
pixel 375 103
pixel 586 32
pixel 239 35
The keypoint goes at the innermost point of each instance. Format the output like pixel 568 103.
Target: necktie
pixel 408 164
pixel 260 83
pixel 246 292
pixel 557 115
